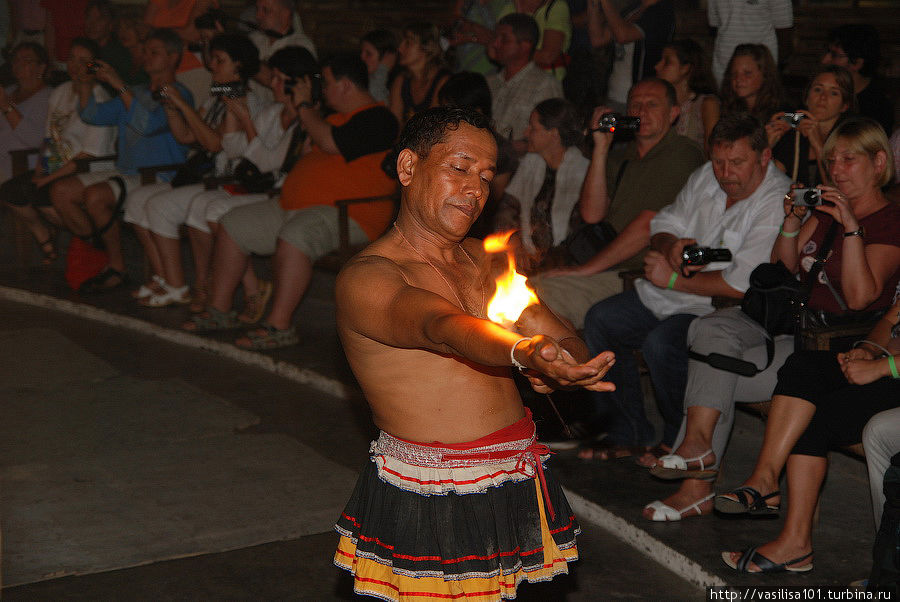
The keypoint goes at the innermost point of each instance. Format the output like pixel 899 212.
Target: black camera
pixel 793 118
pixel 809 197
pixel 229 90
pixel 158 95
pixel 697 255
pixel 610 122
pixel 93 67
pixel 315 91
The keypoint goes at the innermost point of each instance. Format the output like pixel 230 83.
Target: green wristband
pixel 672 280
pixel 788 234
pixel 893 366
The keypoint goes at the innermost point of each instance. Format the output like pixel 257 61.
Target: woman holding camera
pixel 862 268
pixel 828 98
pixel 66 138
pixel 541 200
pixel 819 401
pixel 220 132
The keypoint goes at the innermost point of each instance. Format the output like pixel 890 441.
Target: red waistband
pixel 521 429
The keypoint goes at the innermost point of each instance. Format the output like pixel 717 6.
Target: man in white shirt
pixel 734 201
pixel 520 85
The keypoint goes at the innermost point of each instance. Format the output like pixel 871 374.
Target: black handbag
pixel 254 181
pixel 776 300
pixel 199 165
pixel 586 241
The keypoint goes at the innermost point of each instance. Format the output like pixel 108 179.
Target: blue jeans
pixel 622 324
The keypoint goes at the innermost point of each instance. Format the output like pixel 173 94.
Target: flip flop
pixel 749 501
pixel 665 513
pixel 673 466
pixel 764 564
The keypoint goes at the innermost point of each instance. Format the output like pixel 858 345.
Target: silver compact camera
pixel 793 119
pixel 808 197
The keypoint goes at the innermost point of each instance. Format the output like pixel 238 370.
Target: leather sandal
pixel 764 564
pixel 749 501
pixel 664 513
pixel 672 467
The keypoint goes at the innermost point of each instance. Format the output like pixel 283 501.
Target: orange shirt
pixel 320 178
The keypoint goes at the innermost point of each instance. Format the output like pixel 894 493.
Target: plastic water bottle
pixel 46 155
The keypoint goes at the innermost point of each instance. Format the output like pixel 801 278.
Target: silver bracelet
pixel 876 345
pixel 512 355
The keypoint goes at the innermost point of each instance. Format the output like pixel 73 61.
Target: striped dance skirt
pixel 456 521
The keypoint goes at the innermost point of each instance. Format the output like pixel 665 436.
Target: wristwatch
pixel 861 233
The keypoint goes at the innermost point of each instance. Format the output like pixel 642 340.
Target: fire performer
pixel 456 501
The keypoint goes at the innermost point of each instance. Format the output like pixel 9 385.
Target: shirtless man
pixel 470 508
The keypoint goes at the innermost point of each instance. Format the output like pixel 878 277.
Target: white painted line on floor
pixel 586 510
pixel 678 563
pixel 287 370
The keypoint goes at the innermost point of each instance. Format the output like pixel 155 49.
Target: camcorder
pixel 610 122
pixel 92 67
pixel 697 255
pixel 228 90
pixel 809 197
pixel 793 119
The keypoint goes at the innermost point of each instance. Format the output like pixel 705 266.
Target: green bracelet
pixel 672 280
pixel 788 234
pixel 893 366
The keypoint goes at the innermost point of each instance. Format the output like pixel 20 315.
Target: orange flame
pixel 512 295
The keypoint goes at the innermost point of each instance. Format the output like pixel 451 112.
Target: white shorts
pixel 132 181
pixel 136 203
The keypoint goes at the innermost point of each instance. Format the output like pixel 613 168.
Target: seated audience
pixel 797 147
pixel 279 27
pixel 520 84
pixel 66 138
pixel 822 400
pixel 625 187
pixel 733 202
pixel 683 64
pixel 301 226
pixel 864 271
pixel 88 203
pixel 638 35
pixel 751 83
pixel 554 32
pixel 378 50
pixel 220 132
pixel 24 104
pixel 541 201
pixel 423 72
pixel 857 48
pixel 272 153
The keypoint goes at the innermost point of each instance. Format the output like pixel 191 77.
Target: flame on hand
pixel 512 295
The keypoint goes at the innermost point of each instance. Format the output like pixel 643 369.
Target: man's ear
pixel 674 112
pixel 406 166
pixel 765 157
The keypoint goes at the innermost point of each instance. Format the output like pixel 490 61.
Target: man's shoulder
pixel 375 264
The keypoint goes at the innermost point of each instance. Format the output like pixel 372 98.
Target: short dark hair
pixel 562 115
pixel 349 66
pixel 294 61
pixel 734 126
pixel 858 41
pixel 170 39
pixel 382 40
pixel 671 95
pixel 104 7
pixel 429 127
pixel 466 89
pixel 88 44
pixel 241 50
pixel 524 27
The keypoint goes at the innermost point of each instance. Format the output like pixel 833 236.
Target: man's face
pixel 835 55
pixel 271 14
pixel 648 101
pixel 738 168
pixel 447 190
pixel 505 48
pixel 156 58
pixel 97 26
